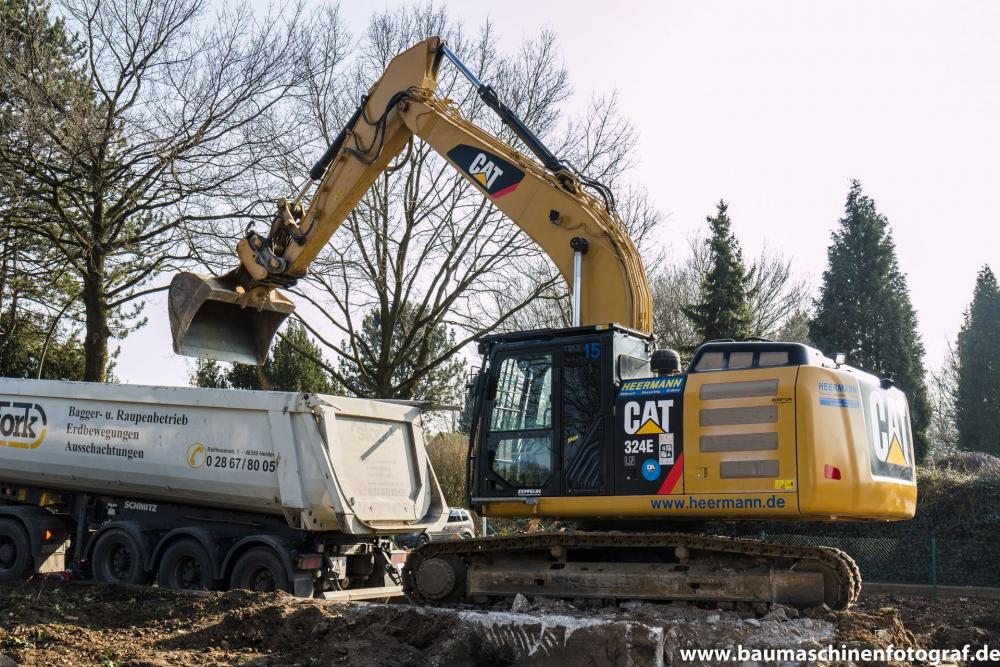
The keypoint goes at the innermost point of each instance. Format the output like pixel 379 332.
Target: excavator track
pixel 614 566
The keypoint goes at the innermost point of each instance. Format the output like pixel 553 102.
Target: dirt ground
pixel 47 623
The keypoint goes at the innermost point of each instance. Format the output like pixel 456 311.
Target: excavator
pixel 591 423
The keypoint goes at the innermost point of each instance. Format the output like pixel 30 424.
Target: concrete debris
pixel 65 624
pixel 790 612
pixel 520 604
pixel 778 613
pixel 550 639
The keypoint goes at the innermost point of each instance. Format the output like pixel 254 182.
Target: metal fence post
pixel 934 595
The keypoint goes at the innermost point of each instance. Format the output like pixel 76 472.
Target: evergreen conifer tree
pixel 977 396
pixel 209 374
pixel 724 309
pixel 864 308
pixel 385 372
pixel 288 368
pixel 37 301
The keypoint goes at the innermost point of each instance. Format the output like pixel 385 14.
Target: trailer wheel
pixel 15 552
pixel 260 569
pixel 186 565
pixel 118 559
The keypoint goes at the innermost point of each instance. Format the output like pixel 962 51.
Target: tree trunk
pixel 95 344
pixel 262 379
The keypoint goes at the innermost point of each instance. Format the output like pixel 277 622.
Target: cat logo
pixel 888 423
pixel 647 417
pixel 889 432
pixel 492 173
pixel 484 171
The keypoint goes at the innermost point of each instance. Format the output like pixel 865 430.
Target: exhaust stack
pixel 210 318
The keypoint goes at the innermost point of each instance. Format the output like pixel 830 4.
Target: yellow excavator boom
pixel 235 316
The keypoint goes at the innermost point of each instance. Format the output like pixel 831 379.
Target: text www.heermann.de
pixel 772 502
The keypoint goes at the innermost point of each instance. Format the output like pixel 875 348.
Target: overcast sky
pixel 775 106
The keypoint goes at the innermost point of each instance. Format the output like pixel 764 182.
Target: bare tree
pixel 942 433
pixel 424 252
pixel 779 300
pixel 174 104
pixel 775 294
pixel 448 453
pixel 796 326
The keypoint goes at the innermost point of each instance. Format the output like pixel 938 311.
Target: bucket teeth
pixel 214 318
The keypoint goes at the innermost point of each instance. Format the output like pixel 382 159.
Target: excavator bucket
pixel 209 318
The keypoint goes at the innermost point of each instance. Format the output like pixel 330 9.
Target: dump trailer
pixel 210 488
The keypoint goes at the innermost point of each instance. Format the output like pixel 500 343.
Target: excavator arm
pixel 234 317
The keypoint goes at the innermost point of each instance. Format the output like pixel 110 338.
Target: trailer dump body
pixel 326 462
pixel 326 466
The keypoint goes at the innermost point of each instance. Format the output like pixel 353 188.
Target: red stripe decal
pixel 673 477
pixel 506 190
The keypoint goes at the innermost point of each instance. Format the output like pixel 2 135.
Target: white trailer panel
pixel 326 462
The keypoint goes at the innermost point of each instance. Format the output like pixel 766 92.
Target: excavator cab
pixel 545 410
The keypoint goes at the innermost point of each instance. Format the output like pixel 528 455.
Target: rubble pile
pixel 47 623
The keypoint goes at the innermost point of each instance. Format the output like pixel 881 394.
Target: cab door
pixel 518 426
pixel 545 421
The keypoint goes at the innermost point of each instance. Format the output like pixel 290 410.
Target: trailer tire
pixel 15 552
pixel 185 565
pixel 260 569
pixel 118 559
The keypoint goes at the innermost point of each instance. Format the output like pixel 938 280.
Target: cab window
pixel 711 361
pixel 739 360
pixel 582 424
pixel 524 394
pixel 631 368
pixel 520 442
pixel 718 360
pixel 773 359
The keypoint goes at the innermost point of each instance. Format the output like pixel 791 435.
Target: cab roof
pixel 486 342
